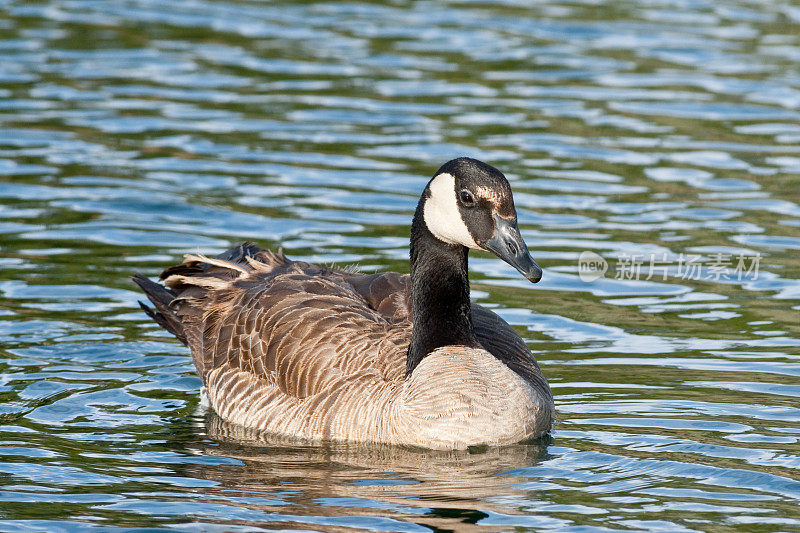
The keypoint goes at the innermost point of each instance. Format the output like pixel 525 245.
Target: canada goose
pixel 317 353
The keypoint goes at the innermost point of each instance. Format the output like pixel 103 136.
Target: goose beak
pixel 507 244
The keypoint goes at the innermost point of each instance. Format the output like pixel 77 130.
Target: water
pixel 135 131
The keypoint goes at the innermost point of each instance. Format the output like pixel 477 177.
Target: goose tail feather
pixel 161 297
pixel 190 281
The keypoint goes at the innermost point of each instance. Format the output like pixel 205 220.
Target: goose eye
pixel 467 199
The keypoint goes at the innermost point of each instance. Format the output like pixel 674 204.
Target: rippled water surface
pixel 661 135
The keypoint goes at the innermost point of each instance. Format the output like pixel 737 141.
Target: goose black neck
pixel 440 305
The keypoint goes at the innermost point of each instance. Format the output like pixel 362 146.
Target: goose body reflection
pixel 306 351
pixel 436 489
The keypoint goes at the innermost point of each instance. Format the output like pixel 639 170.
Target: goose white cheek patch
pixel 442 215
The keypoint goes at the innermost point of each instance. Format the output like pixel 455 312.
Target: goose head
pixel 469 203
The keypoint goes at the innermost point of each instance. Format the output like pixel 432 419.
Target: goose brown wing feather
pixel 387 293
pixel 297 326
